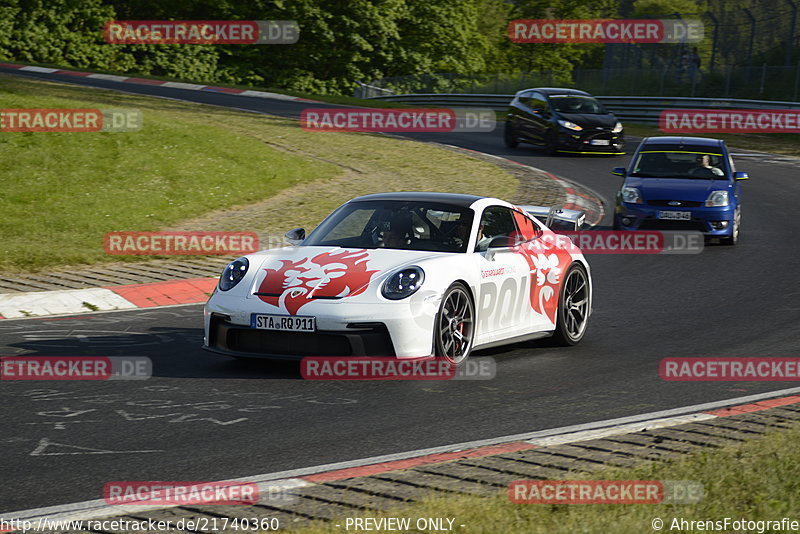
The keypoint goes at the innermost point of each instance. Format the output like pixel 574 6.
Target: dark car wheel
pixel 510 136
pixel 573 307
pixel 455 325
pixel 551 142
pixel 737 223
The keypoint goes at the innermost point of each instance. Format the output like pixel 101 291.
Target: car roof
pixel 557 91
pixel 455 199
pixel 675 140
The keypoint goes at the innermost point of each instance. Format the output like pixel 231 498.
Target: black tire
pixel 510 136
pixel 446 341
pixel 568 332
pixel 737 223
pixel 551 142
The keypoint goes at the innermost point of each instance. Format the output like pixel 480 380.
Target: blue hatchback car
pixel 681 183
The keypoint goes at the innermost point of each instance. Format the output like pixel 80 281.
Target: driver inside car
pixel 704 162
pixel 399 232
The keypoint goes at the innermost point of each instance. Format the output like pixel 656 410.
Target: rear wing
pixel 557 218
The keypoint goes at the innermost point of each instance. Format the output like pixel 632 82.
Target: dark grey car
pixel 563 120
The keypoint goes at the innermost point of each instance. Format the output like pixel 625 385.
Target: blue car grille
pixel 683 203
pixel 659 224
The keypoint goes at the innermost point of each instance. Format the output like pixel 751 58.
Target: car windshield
pixel 585 105
pixel 396 224
pixel 690 163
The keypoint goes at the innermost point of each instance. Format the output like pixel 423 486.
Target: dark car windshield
pixel 689 162
pixel 586 105
pixel 396 224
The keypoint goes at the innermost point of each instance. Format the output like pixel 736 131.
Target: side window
pixel 538 103
pixel 496 221
pixel 527 227
pixel 525 98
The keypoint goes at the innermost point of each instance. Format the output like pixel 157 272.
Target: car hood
pixel 590 120
pixel 326 272
pixel 693 189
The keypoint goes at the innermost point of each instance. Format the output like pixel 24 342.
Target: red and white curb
pixel 146 81
pixel 125 297
pixel 308 476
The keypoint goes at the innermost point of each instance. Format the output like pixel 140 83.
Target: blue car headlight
pixel 403 283
pixel 717 199
pixel 233 274
pixel 631 195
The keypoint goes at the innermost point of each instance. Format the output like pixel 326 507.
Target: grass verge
pixel 191 167
pixel 756 480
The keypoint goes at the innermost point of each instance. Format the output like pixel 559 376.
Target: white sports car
pixel 409 275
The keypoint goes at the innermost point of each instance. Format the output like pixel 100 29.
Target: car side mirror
pixel 498 244
pixel 741 176
pixel 502 241
pixel 296 236
pixel 618 171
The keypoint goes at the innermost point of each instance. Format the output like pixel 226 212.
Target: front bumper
pixel 583 142
pixel 713 222
pixel 365 339
pixel 401 329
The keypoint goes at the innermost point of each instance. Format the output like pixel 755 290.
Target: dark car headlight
pixel 233 274
pixel 403 283
pixel 570 125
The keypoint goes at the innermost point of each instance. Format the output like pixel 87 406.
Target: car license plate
pixel 289 323
pixel 675 215
pixel 600 142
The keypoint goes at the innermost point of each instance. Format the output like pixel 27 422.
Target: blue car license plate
pixel 675 215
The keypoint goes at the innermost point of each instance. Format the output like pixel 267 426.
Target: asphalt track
pixel 203 417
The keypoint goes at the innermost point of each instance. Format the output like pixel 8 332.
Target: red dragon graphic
pixel 296 283
pixel 547 262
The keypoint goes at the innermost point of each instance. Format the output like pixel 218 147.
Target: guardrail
pixel 641 109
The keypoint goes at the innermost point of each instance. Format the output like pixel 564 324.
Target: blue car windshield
pixel 585 105
pixel 396 224
pixel 690 163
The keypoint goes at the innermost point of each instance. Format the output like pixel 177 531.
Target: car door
pixel 540 120
pixel 502 297
pixel 737 186
pixel 525 115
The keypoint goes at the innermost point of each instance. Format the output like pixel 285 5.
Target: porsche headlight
pixel 233 274
pixel 403 283
pixel 717 199
pixel 570 125
pixel 617 128
pixel 631 195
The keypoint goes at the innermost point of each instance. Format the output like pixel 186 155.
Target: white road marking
pixel 45 444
